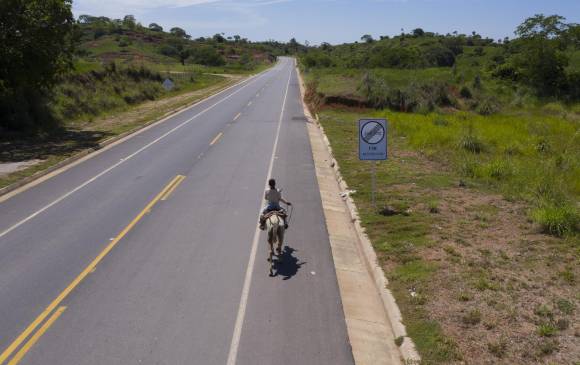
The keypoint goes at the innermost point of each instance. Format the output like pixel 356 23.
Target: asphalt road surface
pixel 148 253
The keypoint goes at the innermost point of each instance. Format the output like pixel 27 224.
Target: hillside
pixel 104 40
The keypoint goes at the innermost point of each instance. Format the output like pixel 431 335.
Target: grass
pixel 527 156
pixel 410 213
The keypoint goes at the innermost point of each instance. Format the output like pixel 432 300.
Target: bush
pixel 488 106
pixel 498 169
pixel 556 220
pixel 317 59
pixel 208 56
pixel 465 92
pixel 470 142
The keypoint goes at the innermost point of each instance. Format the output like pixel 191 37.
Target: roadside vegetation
pixel 62 79
pixel 477 221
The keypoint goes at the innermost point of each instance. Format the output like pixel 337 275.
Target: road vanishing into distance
pixel 148 253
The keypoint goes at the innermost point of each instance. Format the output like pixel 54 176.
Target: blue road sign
pixel 372 143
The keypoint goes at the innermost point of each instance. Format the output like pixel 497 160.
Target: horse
pixel 275 229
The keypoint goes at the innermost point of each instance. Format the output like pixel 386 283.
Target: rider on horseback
pixel 274 197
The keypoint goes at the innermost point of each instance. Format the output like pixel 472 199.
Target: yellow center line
pixel 12 347
pixel 175 185
pixel 237 116
pixel 216 138
pixel 27 346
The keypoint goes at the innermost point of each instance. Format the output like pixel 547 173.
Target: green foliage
pixel 102 91
pixel 416 96
pixel 36 39
pixel 465 92
pixel 207 55
pixel 179 33
pixel 546 330
pixel 557 220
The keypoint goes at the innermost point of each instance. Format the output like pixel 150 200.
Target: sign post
pixel 372 146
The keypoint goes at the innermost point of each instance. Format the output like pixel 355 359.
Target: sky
pixel 332 21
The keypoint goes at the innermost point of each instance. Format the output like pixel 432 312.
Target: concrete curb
pixel 407 349
pixel 38 177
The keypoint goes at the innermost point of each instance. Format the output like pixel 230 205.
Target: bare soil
pixel 503 292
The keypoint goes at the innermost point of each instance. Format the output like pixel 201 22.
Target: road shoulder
pixel 53 168
pixel 372 316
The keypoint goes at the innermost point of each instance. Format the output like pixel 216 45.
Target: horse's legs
pixel 271 257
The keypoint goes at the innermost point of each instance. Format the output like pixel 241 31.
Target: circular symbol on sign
pixel 372 132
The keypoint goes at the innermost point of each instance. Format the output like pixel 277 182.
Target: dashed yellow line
pixel 91 267
pixel 214 141
pixel 27 346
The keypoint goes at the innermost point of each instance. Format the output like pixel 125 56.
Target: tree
pixel 37 47
pixel 184 55
pixel 367 38
pixel 155 27
pixel 219 38
pixel 207 55
pixel 293 45
pixel 546 27
pixel 129 21
pixel 178 32
pixel 237 38
pixel 418 32
pixel 325 46
pixel 541 60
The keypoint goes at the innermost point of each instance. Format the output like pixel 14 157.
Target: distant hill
pixel 104 40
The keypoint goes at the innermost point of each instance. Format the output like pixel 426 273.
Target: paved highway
pixel 148 252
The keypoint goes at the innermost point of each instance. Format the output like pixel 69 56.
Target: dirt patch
pixel 10 167
pixel 503 292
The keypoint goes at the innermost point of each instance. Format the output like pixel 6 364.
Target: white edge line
pixel 125 159
pixel 233 353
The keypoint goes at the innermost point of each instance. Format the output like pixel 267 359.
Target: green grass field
pixel 444 234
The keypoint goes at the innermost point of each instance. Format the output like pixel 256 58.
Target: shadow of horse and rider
pixel 286 264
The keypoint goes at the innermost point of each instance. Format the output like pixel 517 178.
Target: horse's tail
pixel 274 231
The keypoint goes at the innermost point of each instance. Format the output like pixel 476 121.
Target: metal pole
pixel 373 184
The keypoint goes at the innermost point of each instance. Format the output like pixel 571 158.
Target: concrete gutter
pixel 30 181
pixel 373 318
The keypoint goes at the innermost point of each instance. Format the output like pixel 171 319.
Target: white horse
pixel 275 229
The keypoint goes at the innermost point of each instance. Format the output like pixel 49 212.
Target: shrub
pixel 472 318
pixel 498 348
pixel 554 109
pixel 546 330
pixel 556 220
pixel 440 122
pixel 470 142
pixel 208 56
pixel 548 347
pixel 465 92
pixel 487 106
pixel 498 169
pixel 565 306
